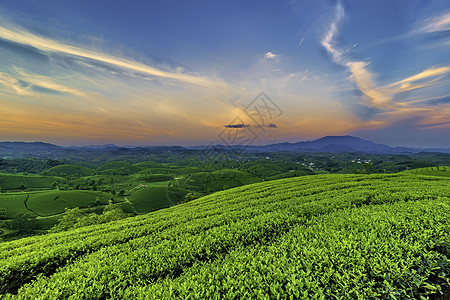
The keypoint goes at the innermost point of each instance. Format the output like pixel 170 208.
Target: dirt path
pixel 26 206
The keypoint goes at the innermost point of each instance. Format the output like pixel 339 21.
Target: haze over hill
pixel 327 144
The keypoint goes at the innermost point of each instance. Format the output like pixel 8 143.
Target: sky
pixel 197 72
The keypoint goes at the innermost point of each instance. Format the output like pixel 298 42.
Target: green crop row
pixel 323 236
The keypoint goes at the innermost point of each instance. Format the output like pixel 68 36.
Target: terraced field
pixel 432 171
pixel 311 237
pixel 71 170
pixel 17 182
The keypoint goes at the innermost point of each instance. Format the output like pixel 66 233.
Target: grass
pixel 381 236
pixel 208 182
pixel 431 171
pixel 55 202
pixel 71 170
pixel 14 203
pixel 16 182
pixel 118 166
pixel 156 197
pixel 289 174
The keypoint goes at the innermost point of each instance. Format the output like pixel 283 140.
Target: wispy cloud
pixel 28 84
pixel 328 39
pixel 46 45
pixel 358 69
pixel 270 55
pixel 388 99
pixel 418 80
pixel 381 96
pixel 435 23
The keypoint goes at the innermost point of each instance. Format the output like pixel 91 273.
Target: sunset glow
pixel 154 72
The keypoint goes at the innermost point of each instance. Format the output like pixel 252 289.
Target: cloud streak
pixel 358 69
pixel 382 97
pixel 47 45
pixel 435 23
pixel 29 84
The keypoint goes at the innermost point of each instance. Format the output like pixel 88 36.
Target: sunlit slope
pixel 323 236
pixel 431 171
pixel 71 170
pixel 17 182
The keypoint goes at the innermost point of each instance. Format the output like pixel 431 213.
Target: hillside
pixel 20 182
pixel 208 182
pixel 431 171
pixel 156 197
pixel 70 170
pixel 313 237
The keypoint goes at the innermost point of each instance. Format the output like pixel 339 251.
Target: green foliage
pixel 432 171
pixel 70 218
pixel 155 177
pixel 30 165
pixel 153 198
pixel 3 213
pixel 76 218
pixel 209 182
pixel 310 237
pixel 118 168
pixel 290 174
pixel 23 223
pixel 263 171
pixel 70 170
pixel 53 202
pixel 190 197
pixel 14 203
pixel 148 164
pixel 16 182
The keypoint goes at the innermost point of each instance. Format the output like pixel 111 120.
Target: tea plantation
pixel 383 236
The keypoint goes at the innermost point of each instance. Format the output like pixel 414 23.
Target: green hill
pixel 311 237
pixel 71 170
pixel 14 204
pixel 208 182
pixel 156 197
pixel 47 203
pixel 54 202
pixel 431 171
pixel 290 174
pixel 118 167
pixel 17 182
pixel 148 164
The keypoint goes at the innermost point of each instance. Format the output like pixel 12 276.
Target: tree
pixel 2 213
pixel 112 212
pixel 23 223
pixel 75 218
pixel 69 219
pixel 368 168
pixel 190 197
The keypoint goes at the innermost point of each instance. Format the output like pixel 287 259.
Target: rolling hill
pixel 311 237
pixel 208 182
pixel 156 197
pixel 118 167
pixel 18 182
pixel 71 170
pixel 432 171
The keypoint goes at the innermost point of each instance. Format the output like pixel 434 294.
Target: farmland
pixel 313 237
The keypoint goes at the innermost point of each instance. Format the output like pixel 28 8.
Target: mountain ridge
pixel 330 144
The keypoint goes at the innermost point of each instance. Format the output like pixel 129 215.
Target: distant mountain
pixel 28 145
pixel 330 144
pixel 340 144
pixel 25 149
pixel 97 146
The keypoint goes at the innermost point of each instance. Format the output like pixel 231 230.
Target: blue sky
pixel 175 72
